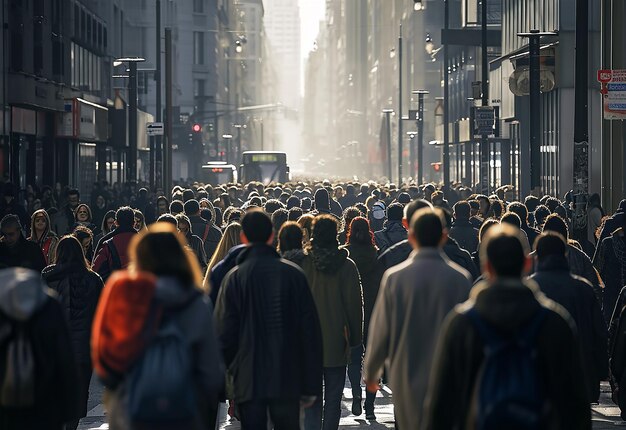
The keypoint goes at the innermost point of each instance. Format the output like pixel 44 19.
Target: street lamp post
pixel 388 113
pixel 446 102
pixel 131 162
pixel 420 135
pixel 400 137
pixel 237 155
pixel 484 141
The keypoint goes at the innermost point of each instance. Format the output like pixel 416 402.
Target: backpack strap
pixel 207 229
pixel 115 256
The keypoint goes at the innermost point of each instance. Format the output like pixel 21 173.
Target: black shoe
pixel 357 409
pixel 370 416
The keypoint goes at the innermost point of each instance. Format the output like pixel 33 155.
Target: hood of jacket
pixel 171 293
pixel 328 260
pixel 619 244
pixel 294 255
pixel 22 293
pixel 56 272
pixel 553 263
pixel 322 201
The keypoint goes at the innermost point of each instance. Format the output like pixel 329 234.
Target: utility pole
pixel 131 174
pixel 581 124
pixel 168 112
pixel 420 136
pixel 400 136
pixel 158 156
pixel 446 103
pixel 388 113
pixel 484 141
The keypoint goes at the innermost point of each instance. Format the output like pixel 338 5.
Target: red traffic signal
pixel 196 128
pixel 436 166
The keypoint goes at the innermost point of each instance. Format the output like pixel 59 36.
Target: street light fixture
pixel 429 46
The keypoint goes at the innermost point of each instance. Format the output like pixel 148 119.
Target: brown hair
pixel 69 250
pixel 162 252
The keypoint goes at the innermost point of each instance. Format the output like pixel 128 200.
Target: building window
pixel 198 88
pixel 198 47
pixel 198 6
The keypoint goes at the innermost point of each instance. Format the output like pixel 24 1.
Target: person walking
pixel 413 300
pixel 360 245
pixel 334 282
pixel 194 243
pixel 15 250
pixel 166 304
pixel 576 295
pixel 462 230
pixel 41 234
pixel 610 261
pixel 290 242
pixel 506 309
pixel 205 230
pixel 393 232
pixel 78 289
pixel 269 332
pixel 113 252
pixel 30 316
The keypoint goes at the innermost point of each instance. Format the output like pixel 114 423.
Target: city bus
pixel 264 166
pixel 218 172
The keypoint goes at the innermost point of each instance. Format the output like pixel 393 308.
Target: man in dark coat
pixel 113 252
pixel 350 198
pixel 10 205
pixel 25 300
pixel 15 250
pixel 576 295
pixel 394 230
pixel 323 203
pixel 462 230
pixel 269 331
pixel 205 230
pixel 508 304
pixel 610 260
pixel 614 222
pixel 521 211
pixel 63 220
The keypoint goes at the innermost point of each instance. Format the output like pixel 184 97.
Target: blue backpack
pixel 161 385
pixel 509 391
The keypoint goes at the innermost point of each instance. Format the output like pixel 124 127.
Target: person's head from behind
pixel 256 227
pixel 541 213
pixel 504 253
pixel 84 236
pixel 520 210
pixel 485 226
pixel 461 211
pixel 395 212
pixel 511 218
pixel 69 251
pixel 191 207
pixel 556 224
pixel 290 237
pixel 11 230
pixel 360 232
pixel 162 252
pixel 279 217
pixel 349 214
pixel 324 232
pixel 549 245
pixel 413 207
pixel 427 229
pixel 125 217
pixel 176 207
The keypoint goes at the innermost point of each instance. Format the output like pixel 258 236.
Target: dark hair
pixel 279 217
pixel 505 249
pixel 414 206
pixel 176 207
pixel 550 243
pixel 486 225
pixel 324 232
pixel 555 223
pixel 164 199
pixel 188 194
pixel 349 214
pixel 256 226
pixel 272 205
pixel 520 210
pixel 206 214
pixel 70 251
pixel 107 216
pixel 73 192
pixel 511 218
pixel 295 213
pixel 541 213
pixel 234 215
pixel 531 203
pixel 290 236
pixel 427 228
pixel 191 207
pixel 125 216
pixel 169 218
pixel 462 210
pixel 360 233
pixel 552 203
pixel 395 212
pixel 497 208
pixel 10 220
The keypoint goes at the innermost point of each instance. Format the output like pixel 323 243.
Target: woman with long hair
pixel 290 241
pixel 230 238
pixel 362 248
pixel 160 256
pixel 41 234
pixel 79 290
pixel 108 224
pixel 85 237
pixel 140 221
pixel 306 222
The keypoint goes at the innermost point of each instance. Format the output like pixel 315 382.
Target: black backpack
pixel 509 392
pixel 17 386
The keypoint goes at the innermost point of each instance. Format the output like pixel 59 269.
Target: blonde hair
pixel 230 239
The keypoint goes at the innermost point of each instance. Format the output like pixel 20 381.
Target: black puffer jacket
pixel 394 232
pixel 79 290
pixel 610 260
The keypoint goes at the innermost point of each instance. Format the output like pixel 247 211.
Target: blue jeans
pixel 334 381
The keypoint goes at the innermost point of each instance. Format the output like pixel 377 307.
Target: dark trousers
pixel 354 375
pixel 284 413
pixel 84 371
pixel 334 381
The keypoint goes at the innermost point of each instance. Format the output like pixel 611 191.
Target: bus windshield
pixel 265 167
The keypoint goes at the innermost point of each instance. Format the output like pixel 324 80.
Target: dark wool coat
pixel 507 305
pixel 268 328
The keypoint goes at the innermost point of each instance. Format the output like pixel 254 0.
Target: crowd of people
pixel 270 296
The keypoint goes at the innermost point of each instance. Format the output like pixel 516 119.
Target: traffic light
pixel 196 135
pixel 196 128
pixel 436 166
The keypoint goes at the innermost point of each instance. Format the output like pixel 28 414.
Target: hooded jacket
pixel 207 232
pixel 23 254
pixel 78 290
pixel 392 233
pixel 336 287
pixel 610 260
pixel 508 305
pixel 24 299
pixel 576 295
pixel 104 262
pixel 269 329
pixel 193 314
pixel 465 234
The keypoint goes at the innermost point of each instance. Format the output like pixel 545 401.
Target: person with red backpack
pixel 112 253
pixel 508 358
pixel 153 341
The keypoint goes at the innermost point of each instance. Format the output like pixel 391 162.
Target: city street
pixel 605 415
